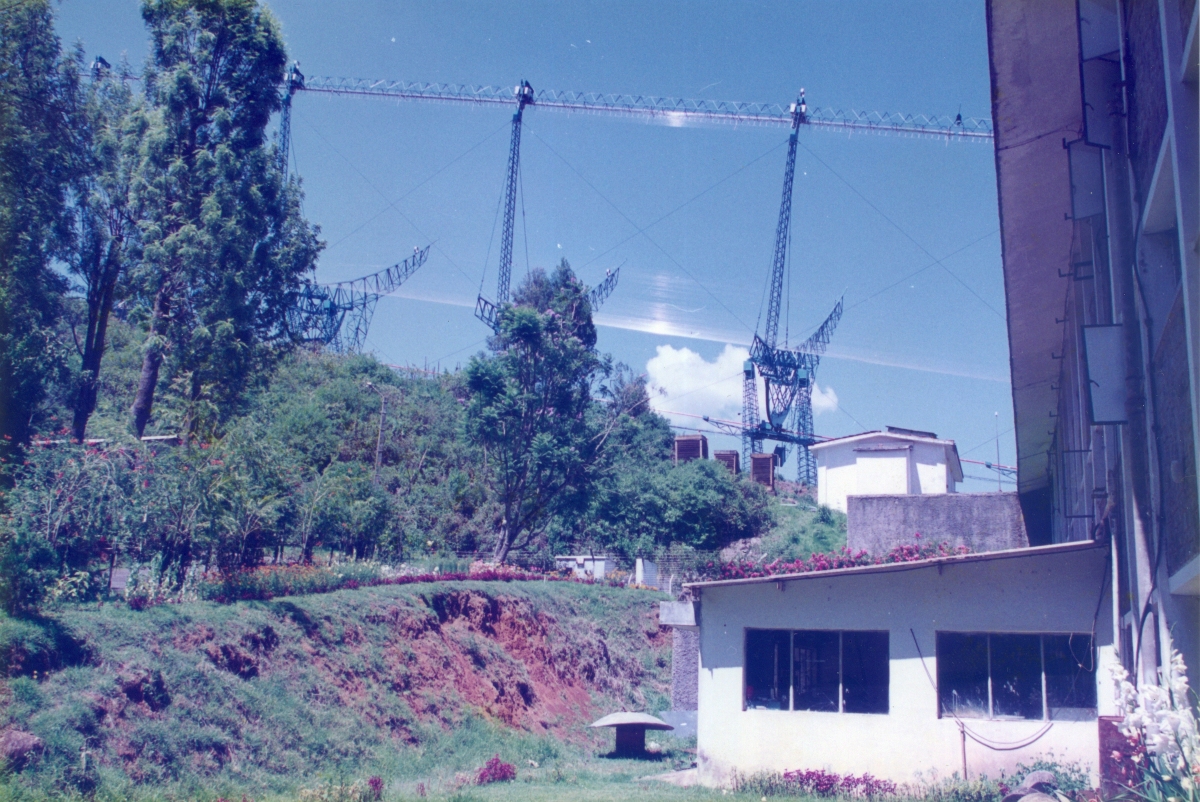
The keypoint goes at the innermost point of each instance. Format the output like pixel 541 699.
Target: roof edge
pixel 885 568
pixel 905 437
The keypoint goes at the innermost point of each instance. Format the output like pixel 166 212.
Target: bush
pixel 1070 779
pixel 744 569
pixel 496 771
pixel 272 581
pixel 813 782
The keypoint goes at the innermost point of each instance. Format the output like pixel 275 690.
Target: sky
pixel 905 229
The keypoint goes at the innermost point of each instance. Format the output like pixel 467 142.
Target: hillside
pixel 419 681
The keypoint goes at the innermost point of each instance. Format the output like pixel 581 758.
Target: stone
pixel 1038 781
pixel 16 746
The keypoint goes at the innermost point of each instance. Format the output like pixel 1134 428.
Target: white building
pixel 893 462
pixel 584 566
pixel 873 669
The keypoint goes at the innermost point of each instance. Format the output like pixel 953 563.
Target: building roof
pixel 632 720
pixel 1036 103
pixel 902 435
pixel 887 568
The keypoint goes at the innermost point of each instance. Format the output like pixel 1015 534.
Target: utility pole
pixel 999 475
pixel 378 437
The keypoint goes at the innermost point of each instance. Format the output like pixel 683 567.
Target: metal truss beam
pixel 669 111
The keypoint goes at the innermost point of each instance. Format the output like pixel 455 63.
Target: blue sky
pixel 923 342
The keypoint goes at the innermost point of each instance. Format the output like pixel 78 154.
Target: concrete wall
pixel 980 521
pixel 1035 593
pixel 685 665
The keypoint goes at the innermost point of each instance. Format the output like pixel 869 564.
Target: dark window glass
pixel 815 667
pixel 962 670
pixel 767 669
pixel 865 672
pixel 1070 677
pixel 1016 676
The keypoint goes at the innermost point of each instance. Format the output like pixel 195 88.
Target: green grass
pixel 802 530
pixel 265 698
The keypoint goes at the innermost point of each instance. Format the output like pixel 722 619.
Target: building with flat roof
pixel 896 668
pixel 892 462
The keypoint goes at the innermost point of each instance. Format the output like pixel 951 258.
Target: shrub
pixel 272 581
pixel 1069 777
pixel 745 569
pixel 813 782
pixel 496 771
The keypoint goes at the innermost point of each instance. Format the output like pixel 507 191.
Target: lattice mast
pixel 293 81
pixel 672 111
pixel 787 374
pixel 486 310
pixel 338 316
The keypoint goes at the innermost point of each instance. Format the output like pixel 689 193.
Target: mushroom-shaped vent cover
pixel 632 719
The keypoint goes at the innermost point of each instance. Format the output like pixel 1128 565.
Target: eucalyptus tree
pixel 224 244
pixel 107 213
pixel 39 110
pixel 532 407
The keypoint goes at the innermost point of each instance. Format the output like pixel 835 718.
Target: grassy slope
pixel 801 530
pixel 412 682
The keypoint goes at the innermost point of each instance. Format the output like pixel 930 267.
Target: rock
pixel 148 687
pixel 16 746
pixel 654 748
pixel 1037 781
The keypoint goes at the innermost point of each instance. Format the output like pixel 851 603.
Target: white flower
pixel 1160 714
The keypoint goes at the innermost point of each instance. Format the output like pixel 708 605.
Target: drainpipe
pixel 1134 457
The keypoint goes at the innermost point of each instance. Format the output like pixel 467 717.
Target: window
pixel 1016 676
pixel 817 670
pixel 767 669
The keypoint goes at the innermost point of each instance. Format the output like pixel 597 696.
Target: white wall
pixel 882 473
pixel 851 469
pixel 932 473
pixel 1044 593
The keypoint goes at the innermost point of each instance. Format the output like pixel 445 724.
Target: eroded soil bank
pixel 384 680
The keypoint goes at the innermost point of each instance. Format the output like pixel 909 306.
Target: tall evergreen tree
pixel 106 217
pixel 224 243
pixel 39 97
pixel 531 404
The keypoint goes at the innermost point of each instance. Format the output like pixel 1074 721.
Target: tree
pixel 39 96
pixel 639 503
pixel 531 406
pixel 224 243
pixel 106 218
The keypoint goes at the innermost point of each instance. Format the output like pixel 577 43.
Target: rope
pixel 1006 746
pixel 995 746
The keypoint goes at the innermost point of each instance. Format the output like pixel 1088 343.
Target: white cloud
pixel 824 399
pixel 683 381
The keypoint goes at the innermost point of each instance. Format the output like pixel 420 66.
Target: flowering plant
pixel 496 771
pixel 814 782
pixel 904 553
pixel 1160 717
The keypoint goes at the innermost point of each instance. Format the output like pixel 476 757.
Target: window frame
pixel 942 712
pixel 791 669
